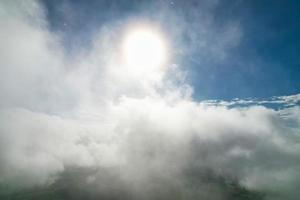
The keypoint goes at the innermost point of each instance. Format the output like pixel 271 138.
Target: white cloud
pixel 58 112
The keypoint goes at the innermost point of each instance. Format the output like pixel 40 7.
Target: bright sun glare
pixel 144 48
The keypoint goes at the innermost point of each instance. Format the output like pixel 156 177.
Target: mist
pixel 80 125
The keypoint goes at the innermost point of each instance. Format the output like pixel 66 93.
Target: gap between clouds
pixel 58 112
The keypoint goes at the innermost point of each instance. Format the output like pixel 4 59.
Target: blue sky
pixel 263 63
pixel 145 100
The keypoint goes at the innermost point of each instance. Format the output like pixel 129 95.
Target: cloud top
pixel 85 117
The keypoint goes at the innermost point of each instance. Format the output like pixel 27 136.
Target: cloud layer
pixel 142 136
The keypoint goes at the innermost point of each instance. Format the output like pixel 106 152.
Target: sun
pixel 144 48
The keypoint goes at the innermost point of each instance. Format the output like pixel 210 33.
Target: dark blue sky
pixel 268 55
pixel 263 61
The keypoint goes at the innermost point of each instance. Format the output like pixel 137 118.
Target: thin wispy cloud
pixel 84 125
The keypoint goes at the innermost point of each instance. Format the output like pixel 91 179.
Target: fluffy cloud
pixel 146 138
